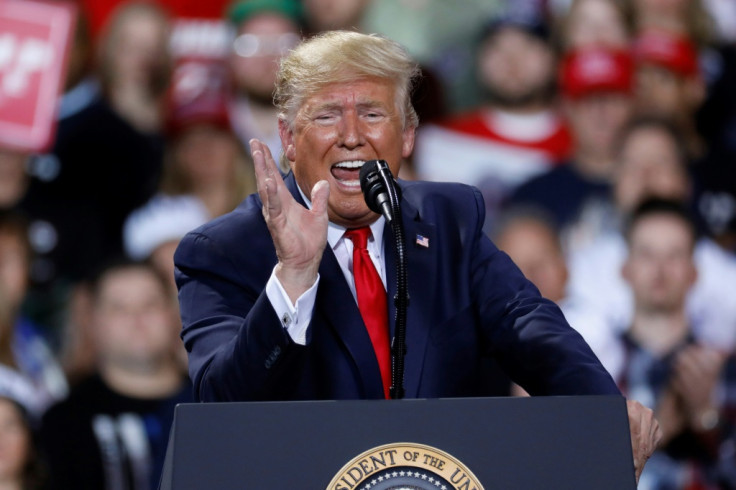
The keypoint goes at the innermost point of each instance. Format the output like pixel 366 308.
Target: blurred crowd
pixel 601 133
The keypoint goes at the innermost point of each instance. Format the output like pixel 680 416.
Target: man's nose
pixel 351 134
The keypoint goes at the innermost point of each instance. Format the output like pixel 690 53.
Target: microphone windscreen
pixel 368 173
pixel 372 185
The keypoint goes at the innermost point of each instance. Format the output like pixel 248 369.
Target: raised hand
pixel 299 234
pixel 645 434
pixel 696 372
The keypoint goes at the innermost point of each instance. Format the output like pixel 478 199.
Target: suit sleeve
pixel 238 348
pixel 527 333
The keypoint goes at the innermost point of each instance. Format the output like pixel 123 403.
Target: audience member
pixel 516 134
pixel 265 31
pixel 529 237
pixel 666 367
pixel 334 15
pixel 106 160
pixel 594 23
pixel 596 86
pixel 133 64
pixel 688 18
pixel 20 462
pixel 669 83
pixel 28 369
pixel 152 232
pixel 119 418
pixel 652 163
pixel 204 158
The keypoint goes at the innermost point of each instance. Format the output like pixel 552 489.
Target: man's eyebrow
pixel 370 103
pixel 326 106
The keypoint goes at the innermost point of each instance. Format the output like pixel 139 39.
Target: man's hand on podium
pixel 645 433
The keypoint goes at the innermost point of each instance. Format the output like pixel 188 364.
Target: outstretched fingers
pixel 299 235
pixel 268 179
pixel 645 434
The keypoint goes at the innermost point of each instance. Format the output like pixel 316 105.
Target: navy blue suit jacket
pixel 468 300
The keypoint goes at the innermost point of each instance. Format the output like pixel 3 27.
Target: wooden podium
pixel 544 443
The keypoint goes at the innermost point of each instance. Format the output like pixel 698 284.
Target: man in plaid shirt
pixel 691 387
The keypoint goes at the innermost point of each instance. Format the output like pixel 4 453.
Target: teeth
pixel 350 164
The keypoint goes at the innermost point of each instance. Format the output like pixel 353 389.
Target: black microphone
pixel 374 176
pixel 382 195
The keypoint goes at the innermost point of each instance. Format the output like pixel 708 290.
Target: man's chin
pixel 353 216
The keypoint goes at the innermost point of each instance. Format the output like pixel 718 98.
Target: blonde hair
pixel 343 56
pixel 175 181
pixel 111 36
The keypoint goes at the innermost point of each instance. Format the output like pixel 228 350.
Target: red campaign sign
pixel 34 41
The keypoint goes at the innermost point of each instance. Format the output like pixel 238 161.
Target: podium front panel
pixel 506 443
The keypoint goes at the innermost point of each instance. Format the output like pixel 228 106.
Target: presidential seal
pixel 404 466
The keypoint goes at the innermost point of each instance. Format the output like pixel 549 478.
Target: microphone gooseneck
pixel 382 196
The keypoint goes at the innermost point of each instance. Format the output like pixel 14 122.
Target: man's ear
pixel 287 140
pixel 407 145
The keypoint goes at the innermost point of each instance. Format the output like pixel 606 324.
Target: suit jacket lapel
pixel 421 262
pixel 337 305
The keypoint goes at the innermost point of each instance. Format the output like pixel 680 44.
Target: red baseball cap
pixel 596 69
pixel 667 49
pixel 198 94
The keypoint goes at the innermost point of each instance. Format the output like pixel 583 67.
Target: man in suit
pixel 272 308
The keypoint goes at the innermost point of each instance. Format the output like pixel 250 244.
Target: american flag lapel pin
pixel 422 241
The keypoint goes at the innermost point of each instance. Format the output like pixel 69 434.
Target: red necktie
pixel 371 301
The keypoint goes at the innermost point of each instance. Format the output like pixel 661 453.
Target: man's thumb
pixel 320 194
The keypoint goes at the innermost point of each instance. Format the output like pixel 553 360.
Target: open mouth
pixel 348 173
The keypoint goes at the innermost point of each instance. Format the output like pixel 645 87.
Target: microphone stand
pixel 401 299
